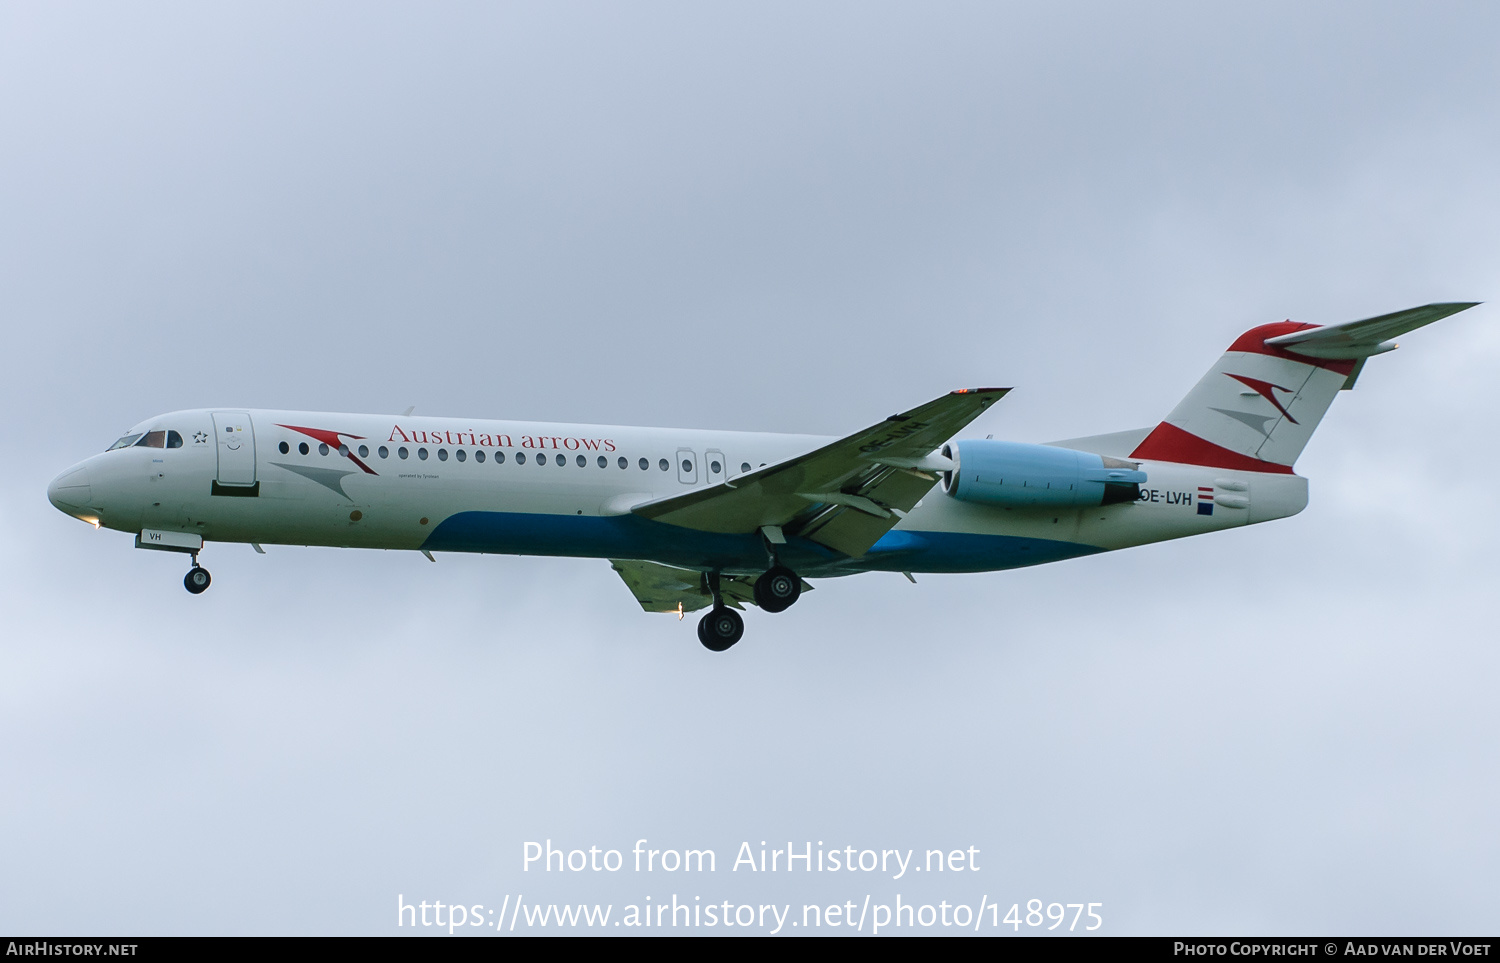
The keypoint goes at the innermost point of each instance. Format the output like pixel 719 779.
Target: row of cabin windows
pixel 461 454
pixel 171 439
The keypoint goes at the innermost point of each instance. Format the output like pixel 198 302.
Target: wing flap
pixel 853 532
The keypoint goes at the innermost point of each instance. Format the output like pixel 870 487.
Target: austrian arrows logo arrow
pixel 1262 388
pixel 331 439
pixel 330 478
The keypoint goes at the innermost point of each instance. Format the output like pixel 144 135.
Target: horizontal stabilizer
pixel 1361 339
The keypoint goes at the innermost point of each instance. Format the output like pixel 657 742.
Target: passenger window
pixel 383 452
pixel 401 453
pixel 364 451
pixel 344 450
pixel 302 448
pixel 422 453
pixel 174 440
pixel 561 461
pixel 442 454
pixel 623 462
pixel 664 465
pixel 715 467
pixel 687 467
pixel 644 464
pixel 745 466
pixel 322 447
pixel 284 448
pixel 460 454
pixel 603 462
pixel 520 458
pixel 582 461
pixel 479 456
pixel 499 457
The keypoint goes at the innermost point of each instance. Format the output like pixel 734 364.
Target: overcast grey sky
pixel 779 217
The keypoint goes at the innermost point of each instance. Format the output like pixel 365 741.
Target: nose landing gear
pixel 197 579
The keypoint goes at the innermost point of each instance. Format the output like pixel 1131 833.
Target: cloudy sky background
pixel 774 217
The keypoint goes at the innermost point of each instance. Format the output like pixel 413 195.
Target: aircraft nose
pixel 70 492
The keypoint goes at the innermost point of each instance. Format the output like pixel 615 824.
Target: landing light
pixel 92 521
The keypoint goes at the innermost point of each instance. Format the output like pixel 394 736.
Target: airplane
pixel 694 519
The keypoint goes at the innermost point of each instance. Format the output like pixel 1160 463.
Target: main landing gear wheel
pixel 720 628
pixel 196 580
pixel 776 590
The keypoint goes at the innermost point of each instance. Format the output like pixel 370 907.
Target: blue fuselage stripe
pixel 629 536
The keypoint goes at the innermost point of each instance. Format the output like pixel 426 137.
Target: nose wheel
pixel 197 579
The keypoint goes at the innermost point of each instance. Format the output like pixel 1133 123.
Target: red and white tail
pixel 1256 408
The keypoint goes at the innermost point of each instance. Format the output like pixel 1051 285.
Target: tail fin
pixel 1256 408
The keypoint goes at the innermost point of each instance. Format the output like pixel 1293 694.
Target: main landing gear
pixel 197 578
pixel 776 590
pixel 722 627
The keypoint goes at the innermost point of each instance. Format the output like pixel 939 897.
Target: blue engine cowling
pixel 1015 474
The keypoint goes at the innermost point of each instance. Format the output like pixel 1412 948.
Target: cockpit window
pixel 162 438
pixel 125 442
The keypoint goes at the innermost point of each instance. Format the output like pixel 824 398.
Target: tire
pixel 197 580
pixel 776 590
pixel 720 629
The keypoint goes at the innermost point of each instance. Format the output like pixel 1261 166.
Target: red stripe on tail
pixel 1167 442
pixel 1254 342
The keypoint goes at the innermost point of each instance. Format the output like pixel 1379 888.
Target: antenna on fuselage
pixel 408 411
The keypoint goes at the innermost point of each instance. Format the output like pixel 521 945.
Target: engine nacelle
pixel 1014 474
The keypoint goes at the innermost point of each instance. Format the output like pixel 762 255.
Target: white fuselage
pixel 446 484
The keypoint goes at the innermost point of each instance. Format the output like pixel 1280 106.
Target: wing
pixel 662 588
pixel 844 495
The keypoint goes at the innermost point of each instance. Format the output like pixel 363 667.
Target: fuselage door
pixel 714 467
pixel 687 466
pixel 236 447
